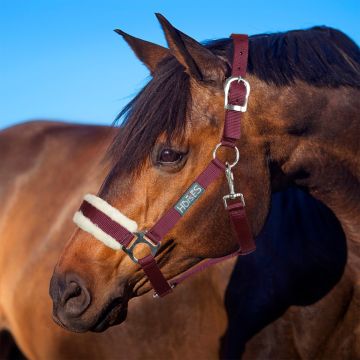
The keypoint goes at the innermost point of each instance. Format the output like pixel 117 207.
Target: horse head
pixel 171 129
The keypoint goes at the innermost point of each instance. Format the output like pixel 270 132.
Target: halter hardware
pixel 140 238
pixel 232 194
pixel 228 82
pixel 237 153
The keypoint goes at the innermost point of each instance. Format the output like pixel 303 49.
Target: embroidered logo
pixel 188 199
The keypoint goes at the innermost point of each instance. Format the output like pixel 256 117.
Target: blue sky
pixel 61 60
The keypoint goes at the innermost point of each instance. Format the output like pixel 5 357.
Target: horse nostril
pixel 75 299
pixel 72 290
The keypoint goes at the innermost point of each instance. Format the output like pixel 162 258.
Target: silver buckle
pixel 140 238
pixel 227 84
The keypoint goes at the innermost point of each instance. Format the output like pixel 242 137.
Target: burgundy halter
pixel 237 91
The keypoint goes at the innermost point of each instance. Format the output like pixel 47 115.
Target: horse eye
pixel 168 156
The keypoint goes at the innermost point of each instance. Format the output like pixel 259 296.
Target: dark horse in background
pixel 301 128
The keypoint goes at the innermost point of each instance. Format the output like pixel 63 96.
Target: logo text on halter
pixel 188 199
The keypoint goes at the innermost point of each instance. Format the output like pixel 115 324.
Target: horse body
pixel 42 181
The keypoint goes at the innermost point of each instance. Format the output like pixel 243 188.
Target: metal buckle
pixel 227 84
pixel 140 238
pixel 237 154
pixel 232 195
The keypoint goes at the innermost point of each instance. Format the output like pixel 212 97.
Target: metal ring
pixel 237 154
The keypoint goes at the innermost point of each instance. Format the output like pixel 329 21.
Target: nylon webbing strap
pixel 106 224
pixel 237 91
pixel 171 217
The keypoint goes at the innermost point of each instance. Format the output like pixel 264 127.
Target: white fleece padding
pixel 111 212
pixel 85 224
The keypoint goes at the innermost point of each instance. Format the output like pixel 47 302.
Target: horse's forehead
pixel 206 101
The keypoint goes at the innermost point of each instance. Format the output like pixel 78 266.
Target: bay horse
pixel 301 127
pixel 27 172
pixel 29 187
pixel 30 184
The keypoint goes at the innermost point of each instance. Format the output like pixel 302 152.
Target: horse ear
pixel 149 53
pixel 198 61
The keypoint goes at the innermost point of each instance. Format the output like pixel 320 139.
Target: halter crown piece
pixel 117 231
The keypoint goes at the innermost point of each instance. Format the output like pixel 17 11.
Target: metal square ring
pixel 140 238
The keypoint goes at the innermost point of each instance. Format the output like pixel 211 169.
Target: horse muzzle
pixel 73 310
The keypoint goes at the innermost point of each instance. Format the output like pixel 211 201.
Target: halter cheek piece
pixel 116 231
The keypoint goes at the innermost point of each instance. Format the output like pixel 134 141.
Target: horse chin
pixel 114 314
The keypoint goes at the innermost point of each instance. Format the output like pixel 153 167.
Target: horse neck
pixel 312 134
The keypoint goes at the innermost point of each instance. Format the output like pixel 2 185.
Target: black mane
pixel 319 56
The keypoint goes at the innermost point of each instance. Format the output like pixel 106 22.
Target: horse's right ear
pixel 149 53
pixel 198 61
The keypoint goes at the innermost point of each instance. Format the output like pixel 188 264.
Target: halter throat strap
pixel 119 232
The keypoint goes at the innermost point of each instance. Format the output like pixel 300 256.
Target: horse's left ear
pixel 149 53
pixel 199 62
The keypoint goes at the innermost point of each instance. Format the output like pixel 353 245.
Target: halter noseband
pixel 116 231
